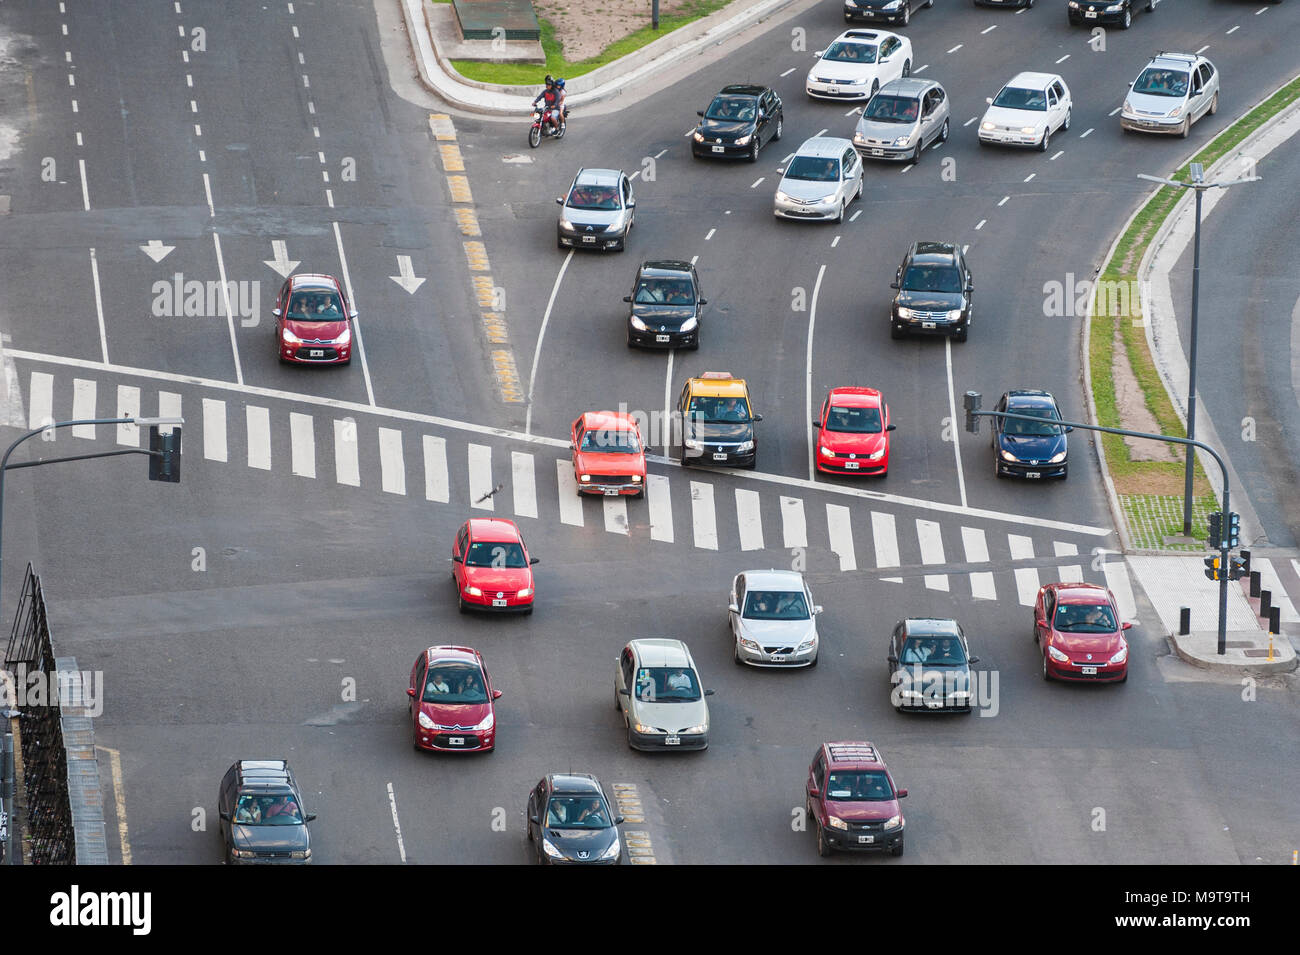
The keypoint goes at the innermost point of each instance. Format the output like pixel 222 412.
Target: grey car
pixel 1173 91
pixel 901 120
pixel 773 619
pixel 823 177
pixel 597 212
pixel 657 690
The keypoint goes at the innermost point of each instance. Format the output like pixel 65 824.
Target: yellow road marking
pixel 484 290
pixel 495 326
pixel 441 127
pixel 452 161
pixel 459 186
pixel 476 254
pixel 467 220
pixel 503 364
pixel 119 801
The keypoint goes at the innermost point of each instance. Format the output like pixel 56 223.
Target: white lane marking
pixel 668 391
pixel 660 153
pixel 794 529
pixel 632 178
pixel 207 191
pixel 659 505
pixel 977 552
pixel 1022 548
pixel 969 121
pixel 1003 202
pixel 301 60
pixel 128 406
pixel 295 33
pixel 185 56
pixel 437 487
pixel 329 197
pixel 931 540
pixel 85 190
pixel 694 259
pixel 1086 133
pixel 1030 176
pixel 835 241
pixel 979 225
pixel 854 217
pixel 79 138
pixel 840 532
pixel 83 406
pixel 822 133
pixel 884 534
pixel 807 388
pixel 202 156
pixel 169 406
pixel 302 444
pixel 749 518
pixel 988 29
pixel 570 502
pixel 1068 573
pixel 1117 579
pixel 259 437
pixel 321 156
pixel 311 107
pixel 359 346
pixel 315 131
pixel 921 69
pixel 306 83
pixel 855 110
pixel 965 248
pixel 1115 110
pixel 40 406
pixel 249 391
pixel 703 518
pixel 952 411
pixel 1057 155
pixel 1271 582
pixel 99 306
pixel 541 336
pixel 710 235
pixel 757 182
pixel 225 298
pixel 1232 31
pixel 1064 58
pixel 523 483
pixel 194 106
pixel 955 48
pixel 615 509
pixel 392 802
pixel 480 477
pixel 198 130
pixel 1257 13
pixel 347 468
pixel 906 168
pixel 214 430
pixel 1202 49
pixel 787 159
pixel 788 72
pixel 392 465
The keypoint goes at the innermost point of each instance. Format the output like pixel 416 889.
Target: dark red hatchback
pixel 452 701
pixel 313 321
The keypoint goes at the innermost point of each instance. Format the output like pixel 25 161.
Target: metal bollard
pixel 1184 621
pixel 1275 620
pixel 1254 583
pixel 1265 602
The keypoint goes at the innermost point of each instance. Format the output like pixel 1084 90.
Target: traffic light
pixel 971 401
pixel 1212 568
pixel 1237 568
pixel 165 456
pixel 1234 529
pixel 1215 537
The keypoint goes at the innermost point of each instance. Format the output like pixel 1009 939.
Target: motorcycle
pixel 542 126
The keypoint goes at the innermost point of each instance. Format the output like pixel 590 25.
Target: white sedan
pixel 1027 111
pixel 858 63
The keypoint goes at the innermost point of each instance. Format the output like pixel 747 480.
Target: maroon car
pixel 1078 630
pixel 452 701
pixel 313 321
pixel 852 801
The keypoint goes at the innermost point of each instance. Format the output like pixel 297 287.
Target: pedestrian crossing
pixel 685 508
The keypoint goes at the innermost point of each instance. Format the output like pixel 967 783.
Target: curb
pixel 1262 668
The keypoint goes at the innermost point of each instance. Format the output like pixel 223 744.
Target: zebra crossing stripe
pixel 1022 548
pixel 794 529
pixel 436 485
pixel 1116 574
pixel 702 516
pixel 977 552
pixel 128 406
pixel 570 502
pixel 169 406
pixel 347 469
pixel 1068 573
pixel 523 485
pixel 841 535
pixel 302 444
pixel 659 504
pixel 480 477
pixel 214 430
pixel 749 519
pixel 83 406
pixel 884 534
pixel 259 437
pixel 615 514
pixel 392 466
pixel 931 540
pixel 40 411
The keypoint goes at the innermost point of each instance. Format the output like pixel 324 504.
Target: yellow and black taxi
pixel 717 421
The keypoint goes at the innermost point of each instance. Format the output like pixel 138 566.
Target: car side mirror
pixel 894 285
pixel 276 312
pixel 1196 92
pixel 704 301
pixel 309 817
pixel 624 692
pixel 1127 625
pixel 559 200
pixel 892 658
pixel 534 818
pixel 631 203
pixel 618 820
pixel 819 53
pixel 816 423
pixel 223 816
pixel 974 659
pixel 757 417
pixel 410 691
pixel 970 286
pixel 708 692
pixel 733 608
pixel 1069 428
pixel 814 791
pixel 902 794
pixel 989 100
pixel 891 427
pixel 533 560
pixel 627 298
pixel 699 112
pixel 354 313
pixel 496 694
pixel 817 608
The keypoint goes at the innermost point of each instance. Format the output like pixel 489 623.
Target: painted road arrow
pixel 281 261
pixel 407 278
pixel 156 250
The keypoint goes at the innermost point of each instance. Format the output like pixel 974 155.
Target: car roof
pixel 933 253
pixel 865 36
pixel 597 177
pixel 1031 398
pixel 1081 593
pixel 849 755
pixel 666 268
pixel 823 147
pixel 608 421
pixel 854 396
pixel 269 775
pixel 931 626
pixel 493 529
pixel 906 86
pixel 313 280
pixel 451 654
pixel 574 783
pixel 1186 60
pixel 1032 81
pixel 719 384
pixel 774 580
pixel 742 89
pixel 662 652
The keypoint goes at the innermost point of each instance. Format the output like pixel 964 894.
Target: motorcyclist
pixel 552 98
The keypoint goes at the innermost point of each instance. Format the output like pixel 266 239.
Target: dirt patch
pixel 1133 412
pixel 585 27
pixel 1162 481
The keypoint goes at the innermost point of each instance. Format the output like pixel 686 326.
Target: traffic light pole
pixel 972 402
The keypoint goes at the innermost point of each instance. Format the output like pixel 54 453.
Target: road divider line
pixel 979 225
pixel 458 186
pixel 119 799
pixel 397 826
pixel 541 337
pixel 952 412
pixel 1003 201
pixel 1086 133
pixel 225 298
pixel 99 306
pixel 1057 155
pixel 85 189
pixel 955 48
pixel 1063 59
pixel 808 362
pixel 360 346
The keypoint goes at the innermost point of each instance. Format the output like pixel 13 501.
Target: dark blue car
pixel 1030 449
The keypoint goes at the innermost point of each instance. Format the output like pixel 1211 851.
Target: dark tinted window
pixel 454 683
pixel 932 278
pixel 740 109
pixel 870 785
pixel 892 109
pixel 814 169
pixel 853 420
pixel 1013 97
pixel 495 554
pixel 1085 618
pixel 1031 428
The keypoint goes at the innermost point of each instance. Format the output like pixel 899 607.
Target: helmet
pixel 550 80
pixel 560 83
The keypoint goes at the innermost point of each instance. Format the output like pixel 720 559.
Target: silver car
pixel 773 619
pixel 1173 91
pixel 597 212
pixel 902 119
pixel 657 689
pixel 824 176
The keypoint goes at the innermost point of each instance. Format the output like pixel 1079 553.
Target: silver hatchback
pixel 597 212
pixel 902 119
pixel 1173 91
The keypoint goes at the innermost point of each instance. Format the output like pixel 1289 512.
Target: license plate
pixel 455 741
pixel 719 456
pixel 662 338
pixel 1033 474
pixel 316 352
pixel 866 840
pixel 778 658
pixel 719 149
pixel 672 741
pixel 877 152
pixel 1091 14
pixel 611 492
pixel 498 603
pixel 1089 671
pixel 588 238
pixel 851 465
pixel 929 325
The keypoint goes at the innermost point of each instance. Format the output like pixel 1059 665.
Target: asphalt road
pixel 324 501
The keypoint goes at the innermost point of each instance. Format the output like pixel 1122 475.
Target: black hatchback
pixel 570 822
pixel 665 306
pixel 1030 449
pixel 739 122
pixel 262 820
pixel 934 292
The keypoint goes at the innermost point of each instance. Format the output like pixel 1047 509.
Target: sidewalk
pixel 434 37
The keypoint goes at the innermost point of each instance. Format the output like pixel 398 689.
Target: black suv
pixel 262 816
pixel 1030 449
pixel 929 666
pixel 934 292
pixel 666 305
pixel 887 11
pixel 738 123
pixel 570 822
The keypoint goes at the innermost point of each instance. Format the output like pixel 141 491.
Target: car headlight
pixel 488 722
pixel 835 822
pixel 954 315
pixel 1120 656
pixel 568 226
pixel 473 591
pixel 987 125
pixel 781 196
pixel 821 200
pixel 1008 456
pixel 1029 130
pixel 584 478
pixel 901 140
pixel 892 5
pixel 642 728
pixel 1074 4
pixel 905 312
pixel 744 140
pixel 425 721
pixel 862 82
pixel 693 444
pixel 894 822
pixel 745 446
pixel 637 324
pixel 689 325
pixel 696 729
pixel 851 4
pixel 1115 8
pixel 1057 458
pixel 526 592
pixel 613 850
pixel 699 136
pixel 344 338
pixel 636 479
pixel 806 645
pixel 859 139
pixel 876 455
pixel 244 854
pixel 289 337
pixel 1057 655
pixel 550 850
pixel 1175 111
pixel 826 452
pixel 747 644
pixel 1128 107
pixel 300 854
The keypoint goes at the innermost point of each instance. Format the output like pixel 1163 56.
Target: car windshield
pixel 666 685
pixel 1161 82
pixel 322 306
pixel 814 169
pixel 736 109
pixel 933 650
pixel 613 442
pixel 454 683
pixel 932 278
pixel 853 420
pixel 1013 97
pixel 719 410
pixel 868 786
pixel 664 292
pixel 892 109
pixel 1085 618
pixel 850 51
pixel 269 810
pixel 776 605
pixel 495 554
pixel 1032 428
pixel 594 197
pixel 577 812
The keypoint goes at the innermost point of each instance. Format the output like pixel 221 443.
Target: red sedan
pixel 452 704
pixel 491 566
pixel 1079 632
pixel 313 321
pixel 853 432
pixel 608 456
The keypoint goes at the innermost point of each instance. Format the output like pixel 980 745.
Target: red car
pixel 313 321
pixel 491 566
pixel 853 432
pixel 1079 632
pixel 452 701
pixel 608 456
pixel 852 801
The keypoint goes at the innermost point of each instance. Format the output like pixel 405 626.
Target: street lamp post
pixel 1198 183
